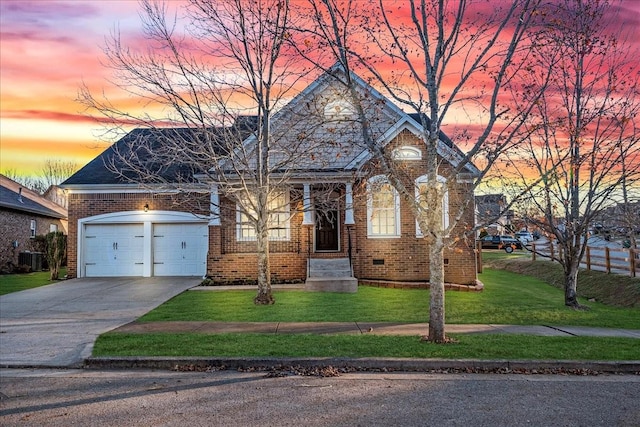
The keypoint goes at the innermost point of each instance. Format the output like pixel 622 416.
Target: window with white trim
pixel 53 228
pixel 407 153
pixel 279 225
pixel 32 228
pixel 421 198
pixel 339 108
pixel 383 208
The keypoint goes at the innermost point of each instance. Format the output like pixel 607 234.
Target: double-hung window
pixel 32 228
pixel 383 208
pixel 279 218
pixel 421 198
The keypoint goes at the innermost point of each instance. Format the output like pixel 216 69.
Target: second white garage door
pixel 180 249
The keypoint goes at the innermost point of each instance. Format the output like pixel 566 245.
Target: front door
pixel 327 232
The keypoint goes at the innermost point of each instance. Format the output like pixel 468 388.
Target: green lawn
pixel 19 282
pixel 481 346
pixel 508 298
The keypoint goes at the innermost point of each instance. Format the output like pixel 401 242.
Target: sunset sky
pixel 48 49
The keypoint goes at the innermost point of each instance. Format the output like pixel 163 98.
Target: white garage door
pixel 180 249
pixel 113 250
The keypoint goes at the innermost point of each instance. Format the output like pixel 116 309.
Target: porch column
pixel 348 197
pixel 214 201
pixel 307 218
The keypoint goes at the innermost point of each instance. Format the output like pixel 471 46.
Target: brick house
pixel 24 215
pixel 119 228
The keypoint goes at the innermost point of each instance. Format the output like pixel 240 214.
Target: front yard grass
pixel 508 298
pixel 468 346
pixel 19 282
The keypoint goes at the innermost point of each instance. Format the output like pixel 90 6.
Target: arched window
pixel 407 153
pixel 383 208
pixel 338 108
pixel 421 187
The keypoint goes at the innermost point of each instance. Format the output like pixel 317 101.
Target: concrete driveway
pixel 56 325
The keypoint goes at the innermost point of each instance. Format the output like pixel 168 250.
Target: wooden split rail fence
pixel 610 260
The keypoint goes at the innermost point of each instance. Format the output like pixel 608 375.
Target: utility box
pixel 32 259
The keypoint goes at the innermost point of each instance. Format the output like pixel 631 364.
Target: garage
pixel 179 249
pixel 163 243
pixel 114 250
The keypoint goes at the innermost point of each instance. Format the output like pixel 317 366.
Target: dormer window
pixel 339 108
pixel 407 153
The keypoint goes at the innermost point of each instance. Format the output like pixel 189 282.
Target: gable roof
pixel 329 146
pixel 336 144
pixel 16 197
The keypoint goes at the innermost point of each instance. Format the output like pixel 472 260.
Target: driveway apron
pixel 57 325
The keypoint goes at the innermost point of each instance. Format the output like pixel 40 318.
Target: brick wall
pixel 407 258
pixel 87 205
pixel 16 226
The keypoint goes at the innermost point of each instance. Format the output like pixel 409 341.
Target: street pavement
pixel 57 325
pixel 230 398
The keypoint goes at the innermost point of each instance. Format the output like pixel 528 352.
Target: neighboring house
pixel 57 195
pixel 491 215
pixel 118 228
pixel 24 214
pixel 621 219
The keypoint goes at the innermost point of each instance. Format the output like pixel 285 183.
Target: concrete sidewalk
pixel 374 328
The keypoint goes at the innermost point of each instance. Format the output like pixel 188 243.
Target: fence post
pixel 588 258
pixel 533 251
pixel 607 258
pixel 551 249
pixel 632 262
pixel 479 256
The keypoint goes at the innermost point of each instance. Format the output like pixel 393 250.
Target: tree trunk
pixel 264 296
pixel 436 292
pixel 436 261
pixel 571 286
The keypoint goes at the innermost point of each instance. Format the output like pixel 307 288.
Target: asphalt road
pixel 230 398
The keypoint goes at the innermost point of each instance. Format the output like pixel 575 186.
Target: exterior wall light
pixel 146 207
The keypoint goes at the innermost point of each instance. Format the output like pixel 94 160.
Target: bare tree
pixel 583 134
pixel 444 57
pixel 217 87
pixel 53 172
pixel 27 181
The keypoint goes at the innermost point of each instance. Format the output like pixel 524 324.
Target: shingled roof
pixel 135 146
pixel 305 142
pixel 15 197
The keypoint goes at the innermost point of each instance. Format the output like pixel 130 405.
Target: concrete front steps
pixel 331 275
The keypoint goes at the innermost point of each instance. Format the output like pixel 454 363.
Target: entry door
pixel 180 249
pixel 327 232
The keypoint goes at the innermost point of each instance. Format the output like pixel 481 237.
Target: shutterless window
pixel 33 228
pixel 383 208
pixel 279 225
pixel 53 228
pixel 421 191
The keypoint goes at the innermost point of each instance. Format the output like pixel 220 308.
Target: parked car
pixel 507 243
pixel 525 237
